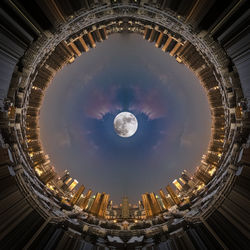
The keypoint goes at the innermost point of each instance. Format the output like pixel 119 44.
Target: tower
pixel 103 205
pixel 77 195
pixel 66 184
pixel 90 203
pixel 125 207
pixel 65 175
pixel 173 195
pixel 146 205
pixel 154 204
pixel 177 185
pixel 96 203
pixel 167 205
pixel 73 185
pixel 85 201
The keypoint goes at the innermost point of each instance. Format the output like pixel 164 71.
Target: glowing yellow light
pixel 39 171
pixel 50 186
pixel 72 59
pixel 200 186
pixel 211 171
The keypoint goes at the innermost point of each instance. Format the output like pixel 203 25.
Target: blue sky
pixel 125 73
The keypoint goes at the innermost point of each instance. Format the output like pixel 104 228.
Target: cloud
pixel 100 103
pixel 157 146
pixel 170 80
pixel 186 140
pixel 149 102
pixel 187 137
pixel 165 78
pixel 63 138
pixel 80 80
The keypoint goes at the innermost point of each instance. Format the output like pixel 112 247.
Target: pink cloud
pixel 149 102
pixel 101 103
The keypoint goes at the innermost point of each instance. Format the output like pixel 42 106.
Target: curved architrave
pixel 44 46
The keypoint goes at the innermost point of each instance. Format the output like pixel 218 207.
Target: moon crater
pixel 125 124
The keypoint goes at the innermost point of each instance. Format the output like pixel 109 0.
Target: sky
pixel 125 73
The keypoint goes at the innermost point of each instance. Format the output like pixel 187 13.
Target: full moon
pixel 125 124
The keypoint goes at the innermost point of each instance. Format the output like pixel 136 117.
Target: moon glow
pixel 125 124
